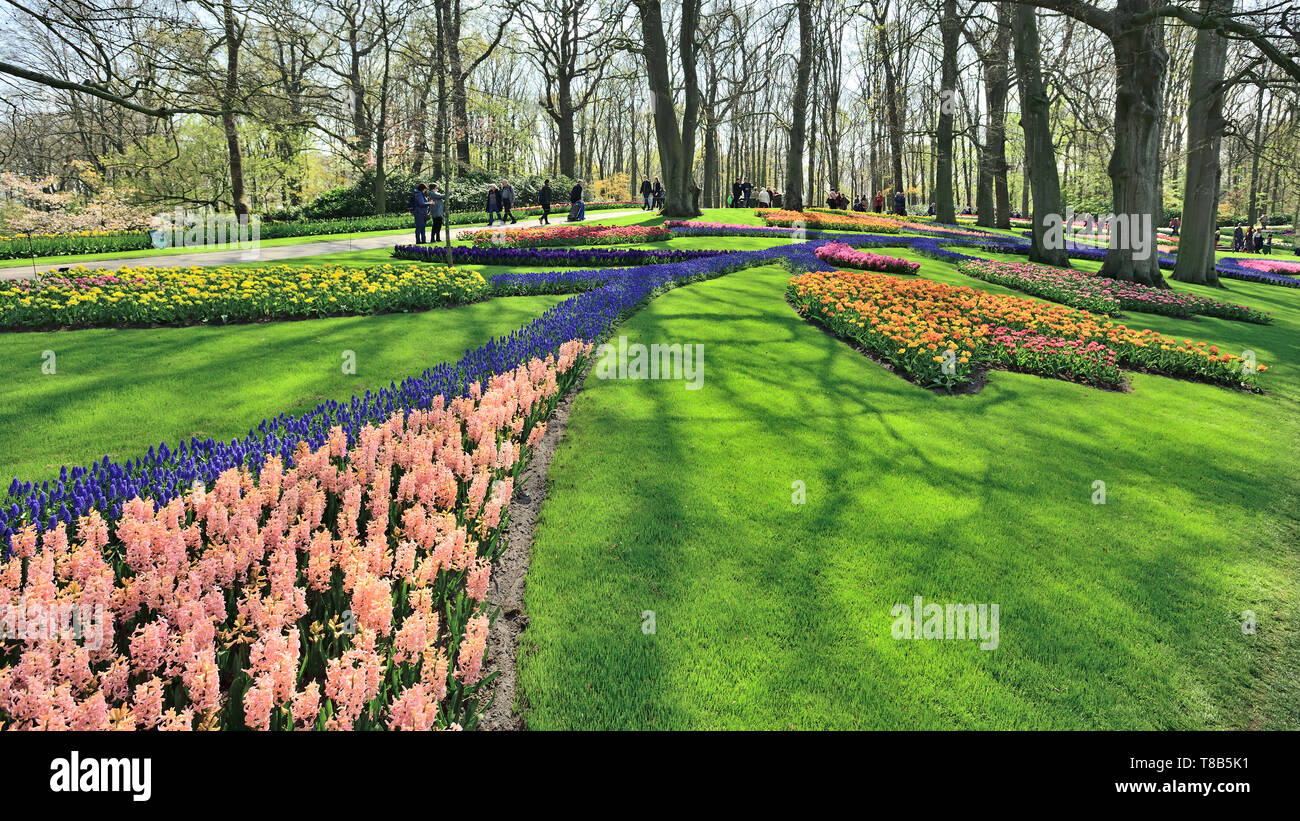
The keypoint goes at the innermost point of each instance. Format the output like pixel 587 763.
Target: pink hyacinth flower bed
pixel 568 235
pixel 838 253
pixel 346 591
pixel 1272 266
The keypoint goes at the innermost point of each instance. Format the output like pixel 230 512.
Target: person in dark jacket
pixel 494 205
pixel 646 191
pixel 900 203
pixel 658 194
pixel 544 198
pixel 1259 242
pixel 735 193
pixel 437 207
pixel 507 202
pixel 577 211
pixel 419 206
pixel 1237 236
pixel 746 189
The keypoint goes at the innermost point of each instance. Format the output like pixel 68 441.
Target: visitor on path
pixel 879 202
pixel 934 208
pixel 1237 238
pixel 1248 244
pixel 437 209
pixel 736 192
pixel 1174 224
pixel 1218 234
pixel 577 211
pixel 765 198
pixel 507 202
pixel 746 189
pixel 658 193
pixel 647 190
pixel 900 203
pixel 493 205
pixel 861 204
pixel 419 206
pixel 544 198
pixel 1259 241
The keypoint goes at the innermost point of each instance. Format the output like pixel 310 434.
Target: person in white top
pixel 764 198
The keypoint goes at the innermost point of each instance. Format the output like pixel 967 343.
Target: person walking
pixel 544 198
pixel 735 193
pixel 646 190
pixel 419 206
pixel 879 202
pixel 747 189
pixel 1237 237
pixel 437 209
pixel 900 203
pixel 493 205
pixel 507 202
pixel 658 193
pixel 765 197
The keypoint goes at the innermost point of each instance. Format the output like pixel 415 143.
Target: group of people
pixel 743 195
pixel 862 203
pixel 1248 239
pixel 429 206
pixel 652 194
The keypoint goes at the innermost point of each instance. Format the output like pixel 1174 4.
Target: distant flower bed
pixel 828 221
pixel 565 257
pixel 837 253
pixel 1090 292
pixel 1272 266
pixel 568 235
pixel 941 334
pixel 186 296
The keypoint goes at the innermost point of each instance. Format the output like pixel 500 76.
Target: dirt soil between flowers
pixel 511 568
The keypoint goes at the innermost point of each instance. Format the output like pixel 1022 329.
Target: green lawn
pixel 117 392
pixel 776 615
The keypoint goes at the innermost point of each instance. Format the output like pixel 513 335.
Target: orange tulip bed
pixel 943 335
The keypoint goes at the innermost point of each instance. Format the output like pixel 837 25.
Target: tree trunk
pixel 1040 152
pixel 996 85
pixel 893 113
pixel 950 28
pixel 794 195
pixel 1140 65
pixel 234 38
pixel 676 147
pixel 1205 126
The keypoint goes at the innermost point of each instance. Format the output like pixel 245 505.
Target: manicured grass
pixel 117 392
pixel 775 615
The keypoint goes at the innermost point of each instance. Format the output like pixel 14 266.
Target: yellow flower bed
pixel 185 296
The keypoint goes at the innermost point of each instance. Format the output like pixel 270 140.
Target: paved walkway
pixel 274 253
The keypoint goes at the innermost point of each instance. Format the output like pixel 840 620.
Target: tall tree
pixel 676 142
pixel 1035 120
pixel 1205 126
pixel 950 32
pixel 794 194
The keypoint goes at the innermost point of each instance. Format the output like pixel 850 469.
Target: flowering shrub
pixel 837 253
pixel 1101 295
pixel 572 257
pixel 940 334
pixel 184 296
pixel 568 235
pixel 345 591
